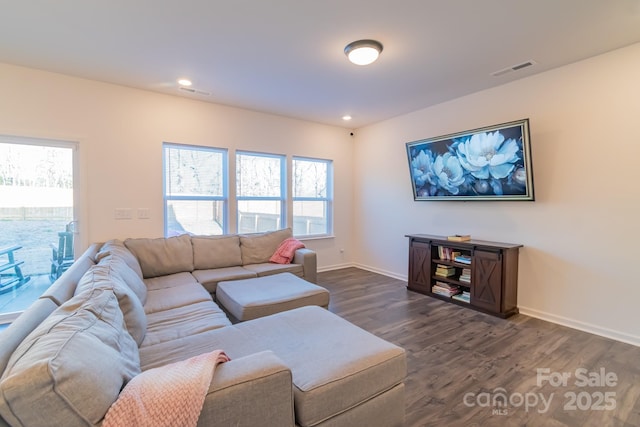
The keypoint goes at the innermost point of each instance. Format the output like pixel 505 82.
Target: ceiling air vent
pixel 194 91
pixel 512 68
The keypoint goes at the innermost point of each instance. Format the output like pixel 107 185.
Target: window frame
pixel 283 186
pixel 225 182
pixel 328 199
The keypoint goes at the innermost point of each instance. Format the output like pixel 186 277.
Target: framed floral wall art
pixel 490 163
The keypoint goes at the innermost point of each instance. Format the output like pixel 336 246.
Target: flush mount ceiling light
pixel 184 82
pixel 363 52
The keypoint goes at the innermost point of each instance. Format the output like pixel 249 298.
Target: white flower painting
pixel 492 163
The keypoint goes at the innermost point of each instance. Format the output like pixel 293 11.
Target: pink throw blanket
pixel 285 252
pixel 170 395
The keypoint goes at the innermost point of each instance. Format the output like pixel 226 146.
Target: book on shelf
pixel 447 286
pixel 464 297
pixel 447 254
pixel 465 276
pixel 442 253
pixel 463 259
pixel 445 290
pixel 459 237
pixel 445 272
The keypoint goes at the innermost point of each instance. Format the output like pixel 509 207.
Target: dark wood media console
pixel 493 267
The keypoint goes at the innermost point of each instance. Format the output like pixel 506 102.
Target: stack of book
pixel 447 254
pixel 464 297
pixel 463 259
pixel 465 276
pixel 445 289
pixel 445 270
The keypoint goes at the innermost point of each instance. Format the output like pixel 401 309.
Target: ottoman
pixel 261 296
pixel 343 376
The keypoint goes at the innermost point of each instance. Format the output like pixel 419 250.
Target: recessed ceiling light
pixel 363 52
pixel 184 82
pixel 346 118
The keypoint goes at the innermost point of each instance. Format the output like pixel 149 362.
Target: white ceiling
pixel 286 56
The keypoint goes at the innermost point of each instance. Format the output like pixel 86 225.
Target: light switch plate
pixel 122 213
pixel 144 213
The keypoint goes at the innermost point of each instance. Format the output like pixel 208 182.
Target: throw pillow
pixel 257 248
pixel 162 256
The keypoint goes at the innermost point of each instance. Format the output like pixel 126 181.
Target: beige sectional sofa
pixel 126 307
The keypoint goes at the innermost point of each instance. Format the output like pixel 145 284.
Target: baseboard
pixel 362 267
pixel 335 267
pixel 582 326
pixel 380 271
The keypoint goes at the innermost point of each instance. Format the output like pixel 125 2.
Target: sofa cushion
pixel 210 278
pixel 128 276
pixel 162 256
pixel 72 367
pixel 152 356
pixel 179 322
pixel 23 326
pixel 216 252
pixel 257 248
pixel 102 276
pixel 269 268
pixel 170 281
pixel 117 249
pixel 177 296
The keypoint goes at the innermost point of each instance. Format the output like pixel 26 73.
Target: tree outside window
pixel 260 192
pixel 195 190
pixel 312 197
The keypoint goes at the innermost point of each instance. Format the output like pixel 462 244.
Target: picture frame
pixel 488 163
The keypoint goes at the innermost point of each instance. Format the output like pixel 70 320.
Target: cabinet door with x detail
pixel 420 266
pixel 486 291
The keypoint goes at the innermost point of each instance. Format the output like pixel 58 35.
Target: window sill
pixel 319 237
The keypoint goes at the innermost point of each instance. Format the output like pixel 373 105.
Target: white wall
pixel 578 266
pixel 120 133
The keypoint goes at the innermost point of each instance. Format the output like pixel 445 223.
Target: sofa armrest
pixel 254 390
pixel 307 258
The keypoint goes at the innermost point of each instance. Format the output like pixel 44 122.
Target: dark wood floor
pixel 461 362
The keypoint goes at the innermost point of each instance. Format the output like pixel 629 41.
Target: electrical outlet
pixel 122 213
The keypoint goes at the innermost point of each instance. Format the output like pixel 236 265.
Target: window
pixel 260 180
pixel 312 197
pixel 38 211
pixel 195 190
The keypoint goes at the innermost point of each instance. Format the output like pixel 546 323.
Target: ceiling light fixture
pixel 346 118
pixel 184 82
pixel 363 52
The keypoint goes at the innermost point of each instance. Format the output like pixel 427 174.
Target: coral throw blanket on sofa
pixel 171 395
pixel 286 250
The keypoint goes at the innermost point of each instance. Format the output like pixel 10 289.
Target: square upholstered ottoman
pixel 261 296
